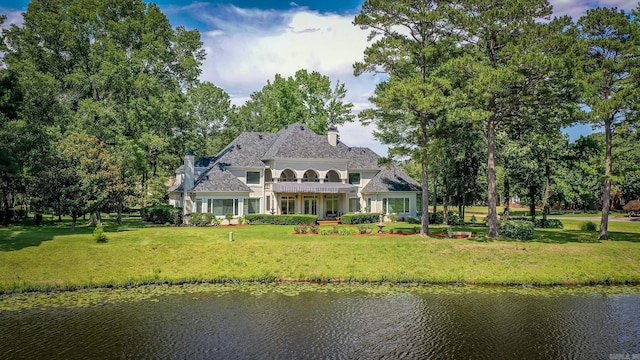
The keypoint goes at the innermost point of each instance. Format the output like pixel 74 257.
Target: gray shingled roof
pixel 391 179
pixel 246 150
pixel 362 158
pixel 298 141
pixel 219 180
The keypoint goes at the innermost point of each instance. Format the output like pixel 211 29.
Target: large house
pixel 294 171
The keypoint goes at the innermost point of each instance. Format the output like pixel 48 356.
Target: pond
pixel 324 321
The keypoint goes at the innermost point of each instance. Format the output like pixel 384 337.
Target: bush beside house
pixel 268 219
pixel 162 214
pixel 364 218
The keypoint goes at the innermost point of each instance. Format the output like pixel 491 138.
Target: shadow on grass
pixel 580 236
pixel 547 236
pixel 17 237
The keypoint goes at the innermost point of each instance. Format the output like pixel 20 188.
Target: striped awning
pixel 314 187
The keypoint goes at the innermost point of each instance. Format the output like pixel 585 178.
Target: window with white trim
pixel 354 178
pixel 253 177
pixel 354 205
pixel 395 205
pixel 221 207
pixel 252 206
pixel 288 205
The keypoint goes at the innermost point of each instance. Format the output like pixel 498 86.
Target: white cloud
pixel 13 17
pixel 242 54
pixel 241 57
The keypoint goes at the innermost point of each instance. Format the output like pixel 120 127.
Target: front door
pixel 331 206
pixel 310 206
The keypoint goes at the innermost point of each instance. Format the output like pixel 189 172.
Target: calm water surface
pixel 332 325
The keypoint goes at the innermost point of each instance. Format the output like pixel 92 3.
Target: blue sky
pixel 249 41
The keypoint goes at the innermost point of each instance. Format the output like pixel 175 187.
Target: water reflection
pixel 500 325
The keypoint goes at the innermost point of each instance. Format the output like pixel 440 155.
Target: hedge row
pixel 162 214
pixel 268 219
pixel 364 218
pixel 516 229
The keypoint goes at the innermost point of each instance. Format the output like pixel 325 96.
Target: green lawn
pixel 50 257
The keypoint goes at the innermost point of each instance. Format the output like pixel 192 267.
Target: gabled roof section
pixel 246 150
pixel 298 141
pixel 362 158
pixel 216 179
pixel 391 178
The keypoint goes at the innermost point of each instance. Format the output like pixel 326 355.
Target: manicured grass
pixel 51 258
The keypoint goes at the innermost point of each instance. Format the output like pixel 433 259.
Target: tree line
pixel 99 100
pixel 501 78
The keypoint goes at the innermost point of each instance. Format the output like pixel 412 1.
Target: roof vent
pixel 301 127
pixel 260 136
pixel 238 146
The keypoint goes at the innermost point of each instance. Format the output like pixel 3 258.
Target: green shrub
pixel 364 229
pixel 268 219
pixel 346 232
pixel 98 234
pixel 203 219
pixel 364 218
pixel 452 218
pixel 228 216
pixel 162 214
pixel 516 229
pixel 414 220
pixel 589 226
pixel 300 229
pixel 473 220
pixel 393 217
pixel 549 224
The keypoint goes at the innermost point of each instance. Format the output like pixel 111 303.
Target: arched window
pixel 310 176
pixel 287 176
pixel 332 176
pixel 267 175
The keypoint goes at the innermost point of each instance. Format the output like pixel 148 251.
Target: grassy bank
pixel 49 257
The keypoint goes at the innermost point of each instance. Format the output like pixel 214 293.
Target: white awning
pixel 314 187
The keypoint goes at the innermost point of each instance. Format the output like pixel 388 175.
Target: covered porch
pixel 327 200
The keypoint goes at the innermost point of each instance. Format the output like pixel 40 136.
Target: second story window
pixel 354 178
pixel 253 177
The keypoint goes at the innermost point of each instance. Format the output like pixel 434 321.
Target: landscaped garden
pixel 49 257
